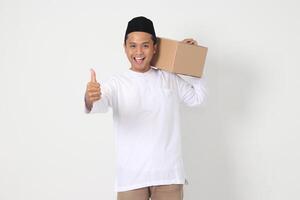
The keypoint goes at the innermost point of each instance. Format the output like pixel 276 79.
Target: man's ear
pixel 155 49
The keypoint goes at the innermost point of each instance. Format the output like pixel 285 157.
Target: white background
pixel 241 145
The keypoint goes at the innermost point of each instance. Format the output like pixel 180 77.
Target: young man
pixel 145 103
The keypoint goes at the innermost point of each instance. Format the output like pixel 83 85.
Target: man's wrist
pixel 88 104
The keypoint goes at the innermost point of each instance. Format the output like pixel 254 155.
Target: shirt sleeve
pixel 107 96
pixel 191 90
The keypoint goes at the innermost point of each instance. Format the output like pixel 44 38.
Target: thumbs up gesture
pixel 93 91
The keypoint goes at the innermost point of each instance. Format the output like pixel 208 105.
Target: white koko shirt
pixel 147 125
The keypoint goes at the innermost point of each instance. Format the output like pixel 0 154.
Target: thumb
pixel 93 76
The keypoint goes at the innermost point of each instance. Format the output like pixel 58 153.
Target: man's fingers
pixel 93 85
pixel 93 90
pixel 190 41
pixel 93 76
pixel 187 40
pixel 93 96
pixel 93 93
pixel 195 42
pixel 92 99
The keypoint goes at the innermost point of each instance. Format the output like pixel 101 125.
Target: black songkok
pixel 140 24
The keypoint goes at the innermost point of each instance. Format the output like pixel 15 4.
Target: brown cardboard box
pixel 180 58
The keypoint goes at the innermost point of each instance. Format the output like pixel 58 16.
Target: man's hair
pixel 140 24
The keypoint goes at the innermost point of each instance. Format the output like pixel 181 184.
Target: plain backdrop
pixel 242 144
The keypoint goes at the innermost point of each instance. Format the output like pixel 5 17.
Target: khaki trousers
pixel 160 192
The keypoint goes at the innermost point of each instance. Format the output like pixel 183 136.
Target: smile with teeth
pixel 139 60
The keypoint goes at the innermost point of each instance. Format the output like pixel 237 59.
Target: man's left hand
pixel 190 41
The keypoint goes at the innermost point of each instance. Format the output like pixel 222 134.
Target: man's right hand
pixel 93 91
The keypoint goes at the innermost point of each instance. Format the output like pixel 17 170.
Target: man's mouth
pixel 139 60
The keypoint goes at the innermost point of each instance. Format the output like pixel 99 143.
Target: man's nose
pixel 139 50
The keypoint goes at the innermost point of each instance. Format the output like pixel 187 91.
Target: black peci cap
pixel 140 24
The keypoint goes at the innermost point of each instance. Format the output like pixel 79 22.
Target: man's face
pixel 139 48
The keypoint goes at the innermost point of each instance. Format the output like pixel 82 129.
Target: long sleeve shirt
pixel 147 125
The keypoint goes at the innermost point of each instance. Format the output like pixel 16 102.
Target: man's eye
pixel 146 45
pixel 132 46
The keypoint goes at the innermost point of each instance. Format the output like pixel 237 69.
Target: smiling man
pixel 140 48
pixel 145 103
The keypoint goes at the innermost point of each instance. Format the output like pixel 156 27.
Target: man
pixel 145 103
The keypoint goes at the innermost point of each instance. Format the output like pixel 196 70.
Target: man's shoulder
pixel 163 72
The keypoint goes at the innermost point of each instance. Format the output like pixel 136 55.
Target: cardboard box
pixel 180 58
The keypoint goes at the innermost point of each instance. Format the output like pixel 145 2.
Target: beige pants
pixel 160 192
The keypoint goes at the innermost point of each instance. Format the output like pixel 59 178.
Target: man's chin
pixel 140 68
